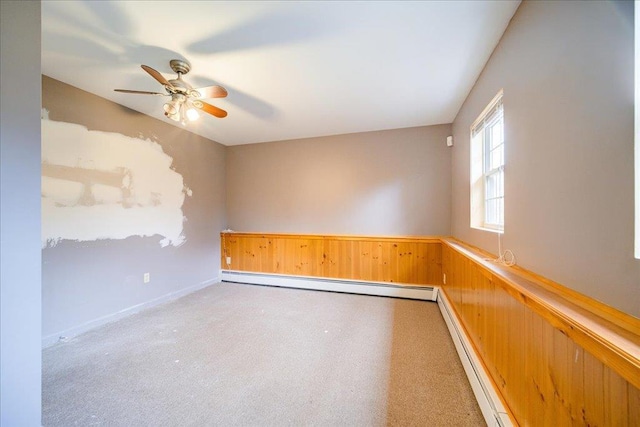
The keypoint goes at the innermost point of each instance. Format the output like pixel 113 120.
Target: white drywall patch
pixel 100 185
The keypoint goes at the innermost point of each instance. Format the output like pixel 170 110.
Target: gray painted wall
pixel 20 326
pixel 84 281
pixel 567 73
pixel 394 182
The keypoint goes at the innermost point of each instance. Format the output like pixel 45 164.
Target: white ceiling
pixel 292 69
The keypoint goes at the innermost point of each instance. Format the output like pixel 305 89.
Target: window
pixel 487 168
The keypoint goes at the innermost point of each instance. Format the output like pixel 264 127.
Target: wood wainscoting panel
pixel 406 260
pixel 547 370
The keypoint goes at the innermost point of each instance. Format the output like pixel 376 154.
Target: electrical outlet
pixel 147 277
pixel 228 260
pixel 444 279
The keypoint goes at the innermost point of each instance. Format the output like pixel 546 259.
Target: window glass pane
pixel 496 134
pixel 491 211
pixel 493 186
pixel 496 158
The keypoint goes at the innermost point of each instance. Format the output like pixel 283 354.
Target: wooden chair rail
pixel 348 237
pixel 516 274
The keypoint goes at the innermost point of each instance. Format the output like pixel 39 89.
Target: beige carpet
pixel 243 355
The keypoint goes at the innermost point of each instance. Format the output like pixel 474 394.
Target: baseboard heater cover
pixel 398 290
pixel 490 404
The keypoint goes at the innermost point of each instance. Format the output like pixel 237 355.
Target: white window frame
pixel 481 170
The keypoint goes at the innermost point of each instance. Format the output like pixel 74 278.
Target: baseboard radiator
pixel 426 293
pixel 493 410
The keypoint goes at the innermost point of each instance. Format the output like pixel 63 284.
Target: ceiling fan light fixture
pixel 192 113
pixel 183 113
pixel 172 110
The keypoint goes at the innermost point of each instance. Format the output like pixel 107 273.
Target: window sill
pixel 489 229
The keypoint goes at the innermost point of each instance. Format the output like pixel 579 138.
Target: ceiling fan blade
pixel 208 108
pixel 156 75
pixel 212 92
pixel 141 92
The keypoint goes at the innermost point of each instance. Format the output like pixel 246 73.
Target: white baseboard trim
pixel 490 404
pixel 398 290
pixel 77 330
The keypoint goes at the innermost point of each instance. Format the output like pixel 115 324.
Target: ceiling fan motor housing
pixel 180 66
pixel 180 85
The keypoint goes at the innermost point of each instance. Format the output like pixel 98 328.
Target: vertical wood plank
pixel 365 260
pixel 593 391
pixel 346 262
pixel 376 261
pixel 303 256
pixel 633 394
pixel 394 262
pixel 560 374
pixel 534 392
pixel 575 355
pixel 325 261
pixel 385 259
pixel 315 261
pixel 356 260
pixel 616 397
pixel 289 260
pixel 277 255
pixel 481 313
pixel 502 338
pixel 436 264
pixel 241 261
pixel 516 361
pixel 547 380
pixel 420 264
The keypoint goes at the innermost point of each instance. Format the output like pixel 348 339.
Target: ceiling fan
pixel 185 100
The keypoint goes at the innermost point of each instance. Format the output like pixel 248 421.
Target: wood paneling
pixel 379 259
pixel 553 361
